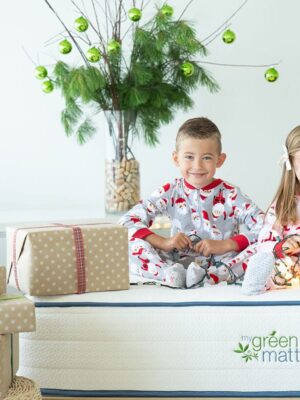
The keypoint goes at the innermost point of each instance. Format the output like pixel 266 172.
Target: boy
pixel 205 214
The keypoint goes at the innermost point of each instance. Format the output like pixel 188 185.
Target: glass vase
pixel 122 173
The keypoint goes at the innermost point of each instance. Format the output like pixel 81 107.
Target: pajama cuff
pixel 142 233
pixel 241 240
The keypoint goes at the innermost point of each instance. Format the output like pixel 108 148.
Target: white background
pixel 43 174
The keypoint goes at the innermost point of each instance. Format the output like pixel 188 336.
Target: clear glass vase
pixel 122 173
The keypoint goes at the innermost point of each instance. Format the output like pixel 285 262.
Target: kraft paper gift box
pixel 16 315
pixel 9 361
pixel 63 259
pixel 2 280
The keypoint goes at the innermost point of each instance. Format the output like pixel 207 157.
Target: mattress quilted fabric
pixel 208 340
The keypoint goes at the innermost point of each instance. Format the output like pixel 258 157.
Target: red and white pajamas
pixel 215 211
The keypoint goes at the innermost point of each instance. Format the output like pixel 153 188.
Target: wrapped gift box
pixel 2 280
pixel 60 259
pixel 16 315
pixel 9 361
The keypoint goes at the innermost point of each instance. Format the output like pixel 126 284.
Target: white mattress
pixel 153 340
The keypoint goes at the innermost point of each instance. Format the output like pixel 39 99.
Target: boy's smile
pixel 198 160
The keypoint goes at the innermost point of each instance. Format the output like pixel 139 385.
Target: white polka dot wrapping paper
pixel 2 280
pixel 9 361
pixel 17 314
pixel 64 259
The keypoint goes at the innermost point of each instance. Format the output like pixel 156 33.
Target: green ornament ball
pixel 113 46
pixel 271 75
pixel 65 47
pixel 47 86
pixel 81 24
pixel 228 36
pixel 135 14
pixel 93 54
pixel 187 69
pixel 167 10
pixel 40 72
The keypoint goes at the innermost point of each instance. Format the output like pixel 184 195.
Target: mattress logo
pixel 272 348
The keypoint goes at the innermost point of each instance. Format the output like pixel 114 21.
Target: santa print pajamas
pixel 269 236
pixel 214 212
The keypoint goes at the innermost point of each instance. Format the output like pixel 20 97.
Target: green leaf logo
pixel 247 354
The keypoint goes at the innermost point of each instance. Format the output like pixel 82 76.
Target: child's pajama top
pixel 215 211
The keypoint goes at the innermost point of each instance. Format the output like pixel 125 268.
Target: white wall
pixel 42 171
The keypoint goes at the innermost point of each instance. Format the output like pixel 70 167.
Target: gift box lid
pixel 18 234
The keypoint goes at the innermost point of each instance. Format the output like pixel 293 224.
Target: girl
pixel 276 264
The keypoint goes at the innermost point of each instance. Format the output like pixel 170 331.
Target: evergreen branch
pixel 226 21
pixel 70 116
pixel 69 32
pixel 85 131
pixel 111 74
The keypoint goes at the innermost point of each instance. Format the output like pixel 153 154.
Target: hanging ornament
pixel 228 36
pixel 64 47
pixel 167 10
pixel 187 68
pixel 47 86
pixel 113 46
pixel 271 74
pixel 81 24
pixel 93 54
pixel 40 72
pixel 135 14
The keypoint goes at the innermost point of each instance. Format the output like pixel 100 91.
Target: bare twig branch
pixel 55 36
pixel 217 35
pixel 69 32
pixel 225 22
pixel 28 56
pixel 239 65
pixel 185 8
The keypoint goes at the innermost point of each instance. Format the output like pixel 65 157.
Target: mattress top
pixel 153 295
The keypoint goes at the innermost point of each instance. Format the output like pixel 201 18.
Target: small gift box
pixel 63 259
pixel 9 361
pixel 16 315
pixel 2 280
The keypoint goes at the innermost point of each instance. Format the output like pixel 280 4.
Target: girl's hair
pixel 286 205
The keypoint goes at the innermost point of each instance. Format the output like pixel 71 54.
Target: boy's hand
pixel 178 241
pixel 292 245
pixel 209 246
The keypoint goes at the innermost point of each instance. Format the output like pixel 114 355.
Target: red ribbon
pixel 79 253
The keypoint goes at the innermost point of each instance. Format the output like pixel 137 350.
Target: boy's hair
pixel 199 128
pixel 286 204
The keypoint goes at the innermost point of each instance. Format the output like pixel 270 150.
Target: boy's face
pixel 198 160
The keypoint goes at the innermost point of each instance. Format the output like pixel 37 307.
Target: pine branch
pixel 85 131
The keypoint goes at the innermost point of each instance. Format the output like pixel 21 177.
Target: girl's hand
pixel 209 246
pixel 178 241
pixel 292 245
